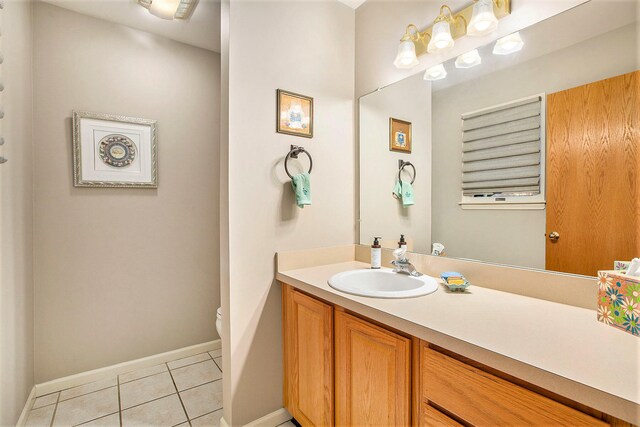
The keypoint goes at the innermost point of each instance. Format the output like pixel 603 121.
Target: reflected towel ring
pixel 401 166
pixel 293 154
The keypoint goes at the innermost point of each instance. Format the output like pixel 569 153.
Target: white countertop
pixel 556 346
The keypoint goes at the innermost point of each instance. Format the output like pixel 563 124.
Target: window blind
pixel 501 149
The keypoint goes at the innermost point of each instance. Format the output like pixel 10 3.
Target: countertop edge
pixel 610 404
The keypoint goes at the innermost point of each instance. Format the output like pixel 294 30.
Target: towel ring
pixel 293 154
pixel 401 165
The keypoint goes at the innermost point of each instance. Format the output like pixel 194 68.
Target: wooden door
pixel 308 358
pixel 593 175
pixel 372 374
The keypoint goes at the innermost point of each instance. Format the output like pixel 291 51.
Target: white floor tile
pixel 197 374
pixel 87 407
pixel 41 416
pixel 188 361
pixel 141 373
pixel 216 353
pixel 209 420
pixel 45 400
pixel 112 420
pixel 203 399
pixel 87 388
pixel 145 389
pixel 159 413
pixel 218 361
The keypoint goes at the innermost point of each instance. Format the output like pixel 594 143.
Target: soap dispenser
pixel 376 253
pixel 402 243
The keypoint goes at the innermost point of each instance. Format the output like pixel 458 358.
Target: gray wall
pixel 16 214
pixel 510 236
pixel 308 48
pixel 123 273
pixel 381 214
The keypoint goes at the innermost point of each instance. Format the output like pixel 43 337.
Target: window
pixel 503 151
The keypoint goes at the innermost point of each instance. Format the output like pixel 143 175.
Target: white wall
pixel 123 273
pixel 308 48
pixel 381 214
pixel 16 213
pixel 510 237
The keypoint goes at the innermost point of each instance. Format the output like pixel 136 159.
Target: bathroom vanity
pixel 352 360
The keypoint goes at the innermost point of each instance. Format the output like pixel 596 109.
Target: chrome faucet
pixel 402 264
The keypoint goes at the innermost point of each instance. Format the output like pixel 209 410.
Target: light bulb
pixel 406 57
pixel 435 73
pixel 441 38
pixel 508 45
pixel 469 59
pixel 483 19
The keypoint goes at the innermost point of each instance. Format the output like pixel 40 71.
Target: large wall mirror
pixel 529 159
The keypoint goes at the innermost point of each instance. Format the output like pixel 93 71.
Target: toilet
pixel 219 321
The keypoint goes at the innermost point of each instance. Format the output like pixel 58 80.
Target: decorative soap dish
pixel 455 281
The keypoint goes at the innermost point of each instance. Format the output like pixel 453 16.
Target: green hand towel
pixel 301 184
pixel 404 190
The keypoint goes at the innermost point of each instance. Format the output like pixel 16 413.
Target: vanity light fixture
pixel 406 57
pixel 435 73
pixel 447 28
pixel 483 20
pixel 441 38
pixel 170 9
pixel 508 45
pixel 469 59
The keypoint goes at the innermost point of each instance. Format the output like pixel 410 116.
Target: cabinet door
pixel 372 374
pixel 308 358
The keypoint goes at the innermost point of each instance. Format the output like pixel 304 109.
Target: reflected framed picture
pixel 294 114
pixel 114 151
pixel 399 135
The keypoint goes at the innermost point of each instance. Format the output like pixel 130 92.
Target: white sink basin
pixel 383 283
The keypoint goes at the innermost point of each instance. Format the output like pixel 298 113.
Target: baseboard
pixel 121 368
pixel 270 420
pixel 22 421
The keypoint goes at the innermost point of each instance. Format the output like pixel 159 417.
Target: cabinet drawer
pixel 431 417
pixel 481 399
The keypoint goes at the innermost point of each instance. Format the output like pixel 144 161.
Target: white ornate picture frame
pixel 114 151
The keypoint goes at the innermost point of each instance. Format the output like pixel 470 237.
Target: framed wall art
pixel 399 135
pixel 294 114
pixel 114 151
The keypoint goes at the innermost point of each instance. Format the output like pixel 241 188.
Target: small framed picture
pixel 294 114
pixel 399 135
pixel 114 151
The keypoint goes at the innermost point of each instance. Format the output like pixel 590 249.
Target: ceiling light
pixel 508 45
pixel 483 20
pixel 165 9
pixel 170 9
pixel 469 59
pixel 435 73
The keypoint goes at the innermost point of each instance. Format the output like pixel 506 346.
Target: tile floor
pixel 184 392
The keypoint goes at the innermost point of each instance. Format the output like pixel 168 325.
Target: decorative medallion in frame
pixel 114 151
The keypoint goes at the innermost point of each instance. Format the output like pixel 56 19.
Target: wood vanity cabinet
pixel 343 370
pixel 308 358
pixel 373 374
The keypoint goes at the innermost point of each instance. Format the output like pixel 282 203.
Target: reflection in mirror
pixel 527 156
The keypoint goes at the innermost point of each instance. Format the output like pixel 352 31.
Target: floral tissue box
pixel 619 301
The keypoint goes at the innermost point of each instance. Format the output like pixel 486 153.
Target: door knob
pixel 554 236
